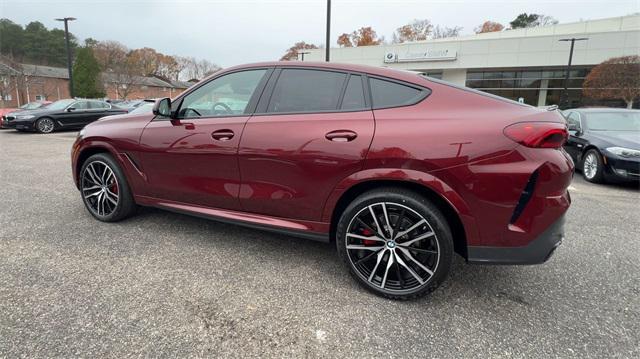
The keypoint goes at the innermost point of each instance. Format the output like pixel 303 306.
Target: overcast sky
pixel 235 32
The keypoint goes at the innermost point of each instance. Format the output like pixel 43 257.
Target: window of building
pixel 302 90
pixel 392 94
pixel 8 97
pixel 354 94
pixel 526 84
pixel 41 98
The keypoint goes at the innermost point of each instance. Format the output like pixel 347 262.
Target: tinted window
pixel 300 90
pixel 354 94
pixel 98 105
pixel 573 118
pixel 224 96
pixel 81 105
pixel 391 94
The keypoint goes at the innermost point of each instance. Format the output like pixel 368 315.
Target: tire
pixel 593 167
pixel 104 189
pixel 415 254
pixel 45 125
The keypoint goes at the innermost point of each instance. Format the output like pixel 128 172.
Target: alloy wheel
pixel 392 247
pixel 45 125
pixel 590 166
pixel 100 188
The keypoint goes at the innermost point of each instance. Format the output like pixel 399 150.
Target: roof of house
pixel 62 73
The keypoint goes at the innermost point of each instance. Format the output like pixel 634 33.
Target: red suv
pixel 400 170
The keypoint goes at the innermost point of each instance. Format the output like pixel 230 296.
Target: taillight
pixel 538 134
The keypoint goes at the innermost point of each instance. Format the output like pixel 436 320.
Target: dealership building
pixel 524 64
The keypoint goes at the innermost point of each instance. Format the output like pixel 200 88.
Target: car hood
pixel 23 112
pixel 628 139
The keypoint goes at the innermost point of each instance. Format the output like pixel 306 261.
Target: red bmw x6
pixel 400 170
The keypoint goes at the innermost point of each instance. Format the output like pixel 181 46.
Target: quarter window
pixel 392 94
pixel 302 90
pixel 354 94
pixel 227 95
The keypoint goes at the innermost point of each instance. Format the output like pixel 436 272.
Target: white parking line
pixel 571 188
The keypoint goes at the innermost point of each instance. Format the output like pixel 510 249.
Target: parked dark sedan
pixel 63 114
pixel 605 143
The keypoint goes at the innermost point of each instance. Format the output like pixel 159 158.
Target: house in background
pixel 22 83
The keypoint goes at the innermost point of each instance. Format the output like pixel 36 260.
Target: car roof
pixel 373 70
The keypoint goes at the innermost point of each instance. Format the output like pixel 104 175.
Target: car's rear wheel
pixel 104 189
pixel 593 167
pixel 395 242
pixel 45 125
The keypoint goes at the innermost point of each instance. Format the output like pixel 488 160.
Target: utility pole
pixel 327 42
pixel 66 39
pixel 564 99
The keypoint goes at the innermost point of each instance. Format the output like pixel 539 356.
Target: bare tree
pixel 441 32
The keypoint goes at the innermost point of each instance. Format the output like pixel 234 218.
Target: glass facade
pixel 532 86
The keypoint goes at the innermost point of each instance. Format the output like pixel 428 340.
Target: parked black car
pixel 63 114
pixel 605 143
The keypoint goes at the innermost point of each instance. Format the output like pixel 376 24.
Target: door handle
pixel 222 135
pixel 341 136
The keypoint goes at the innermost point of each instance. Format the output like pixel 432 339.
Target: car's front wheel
pixel 395 243
pixel 45 125
pixel 104 189
pixel 593 167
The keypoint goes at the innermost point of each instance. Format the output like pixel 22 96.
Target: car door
pixel 305 137
pixel 75 114
pixel 192 157
pixel 98 109
pixel 575 143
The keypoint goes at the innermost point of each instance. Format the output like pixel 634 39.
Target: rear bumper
pixel 537 251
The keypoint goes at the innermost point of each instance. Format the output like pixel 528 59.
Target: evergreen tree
pixel 86 75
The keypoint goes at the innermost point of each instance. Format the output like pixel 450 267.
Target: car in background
pixel 11 114
pixel 604 143
pixel 400 171
pixel 64 114
pixel 130 104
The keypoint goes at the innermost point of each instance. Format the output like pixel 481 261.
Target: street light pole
pixel 327 42
pixel 564 100
pixel 66 40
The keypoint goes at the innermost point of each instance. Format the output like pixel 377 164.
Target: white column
pixel 542 95
pixel 455 76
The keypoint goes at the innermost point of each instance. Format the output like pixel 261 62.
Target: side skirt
pixel 302 229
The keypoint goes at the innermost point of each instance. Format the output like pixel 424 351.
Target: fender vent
pixel 526 195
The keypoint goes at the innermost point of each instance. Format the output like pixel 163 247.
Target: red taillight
pixel 538 134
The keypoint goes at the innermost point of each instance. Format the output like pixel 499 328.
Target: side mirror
pixel 574 127
pixel 162 107
pixel 71 109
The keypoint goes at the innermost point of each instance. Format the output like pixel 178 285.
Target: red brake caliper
pixel 368 242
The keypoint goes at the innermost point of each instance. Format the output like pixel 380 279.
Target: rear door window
pixel 304 90
pixel 354 94
pixel 393 94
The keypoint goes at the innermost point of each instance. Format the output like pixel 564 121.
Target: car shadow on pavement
pixel 465 280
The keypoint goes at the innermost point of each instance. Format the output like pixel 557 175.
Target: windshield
pixel 613 121
pixel 60 105
pixel 31 105
pixel 147 107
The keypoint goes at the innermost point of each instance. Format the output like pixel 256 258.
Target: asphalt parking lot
pixel 164 284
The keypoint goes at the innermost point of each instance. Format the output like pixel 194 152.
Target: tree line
pixel 37 45
pixel 420 30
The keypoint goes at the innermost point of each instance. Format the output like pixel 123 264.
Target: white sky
pixel 235 32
